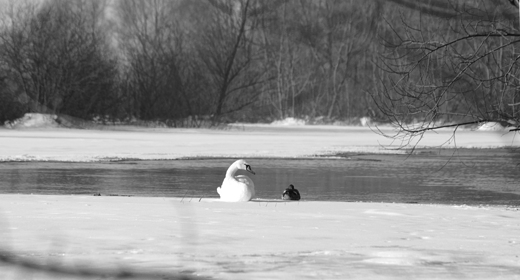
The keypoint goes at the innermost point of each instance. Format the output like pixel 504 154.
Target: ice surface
pixel 263 240
pixel 49 143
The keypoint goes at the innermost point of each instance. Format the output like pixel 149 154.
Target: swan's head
pixel 242 164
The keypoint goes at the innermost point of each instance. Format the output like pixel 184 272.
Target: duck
pixel 238 188
pixel 291 193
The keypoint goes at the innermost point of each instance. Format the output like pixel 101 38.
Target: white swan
pixel 237 188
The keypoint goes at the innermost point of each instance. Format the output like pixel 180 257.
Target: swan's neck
pixel 231 171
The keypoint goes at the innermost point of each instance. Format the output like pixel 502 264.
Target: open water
pixel 444 177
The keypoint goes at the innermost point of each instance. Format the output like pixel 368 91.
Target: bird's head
pixel 242 164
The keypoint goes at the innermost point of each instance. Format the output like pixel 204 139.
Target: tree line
pixel 240 60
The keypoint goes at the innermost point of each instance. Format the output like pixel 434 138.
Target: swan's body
pixel 291 193
pixel 237 188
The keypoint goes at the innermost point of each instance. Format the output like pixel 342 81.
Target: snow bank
pixel 33 120
pixel 289 121
pixel 322 120
pixel 491 126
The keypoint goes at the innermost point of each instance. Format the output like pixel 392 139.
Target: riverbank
pixel 260 239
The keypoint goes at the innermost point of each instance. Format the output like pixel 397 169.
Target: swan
pixel 237 188
pixel 291 193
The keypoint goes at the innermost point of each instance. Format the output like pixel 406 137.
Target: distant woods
pixel 182 62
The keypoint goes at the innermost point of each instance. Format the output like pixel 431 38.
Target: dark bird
pixel 291 193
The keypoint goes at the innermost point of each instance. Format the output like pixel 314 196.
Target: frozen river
pixel 466 177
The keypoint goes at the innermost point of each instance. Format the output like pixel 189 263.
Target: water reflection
pixel 384 178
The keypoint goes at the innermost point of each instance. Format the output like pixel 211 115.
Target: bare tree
pixel 450 64
pixel 315 50
pixel 58 57
pixel 155 66
pixel 285 60
pixel 231 58
pixel 327 31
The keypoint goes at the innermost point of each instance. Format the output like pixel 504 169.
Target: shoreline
pixel 274 201
pixel 417 152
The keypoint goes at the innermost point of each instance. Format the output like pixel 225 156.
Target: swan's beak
pixel 248 168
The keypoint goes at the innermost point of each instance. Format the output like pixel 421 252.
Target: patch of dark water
pixel 426 177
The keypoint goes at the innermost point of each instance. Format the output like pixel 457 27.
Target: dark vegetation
pixel 184 63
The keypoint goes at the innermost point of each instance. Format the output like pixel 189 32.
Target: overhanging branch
pixel 417 131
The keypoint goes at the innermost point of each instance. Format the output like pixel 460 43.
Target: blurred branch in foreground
pixel 85 271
